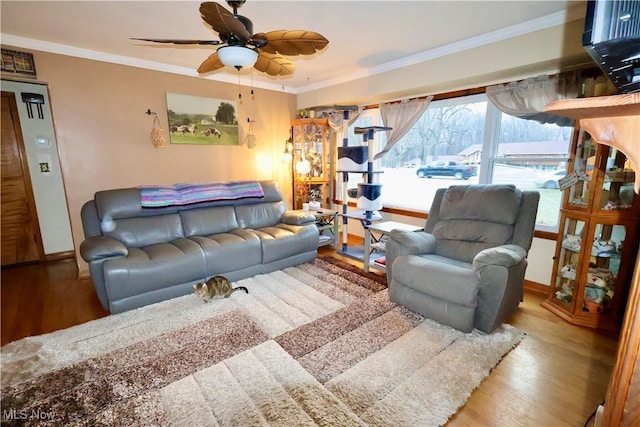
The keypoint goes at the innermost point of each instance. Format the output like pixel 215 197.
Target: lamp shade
pixel 237 56
pixel 303 167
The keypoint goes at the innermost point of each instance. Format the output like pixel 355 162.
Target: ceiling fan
pixel 240 49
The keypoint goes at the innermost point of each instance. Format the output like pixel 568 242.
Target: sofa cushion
pixel 206 221
pixel 153 267
pixel 260 215
pixel 118 203
pixel 145 231
pixel 231 251
pixel 283 241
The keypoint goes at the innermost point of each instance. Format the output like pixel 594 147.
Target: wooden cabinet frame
pixel 614 121
pixel 312 139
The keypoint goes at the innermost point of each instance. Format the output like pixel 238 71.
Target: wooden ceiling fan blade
pixel 274 65
pixel 172 41
pixel 235 30
pixel 292 42
pixel 212 63
pixel 223 21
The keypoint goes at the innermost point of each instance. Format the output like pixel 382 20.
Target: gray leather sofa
pixel 139 256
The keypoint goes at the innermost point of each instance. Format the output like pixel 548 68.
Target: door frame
pixel 24 162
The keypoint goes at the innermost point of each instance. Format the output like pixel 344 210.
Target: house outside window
pixel 469 134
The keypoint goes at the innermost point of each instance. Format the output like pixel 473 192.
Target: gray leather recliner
pixel 466 269
pixel 139 256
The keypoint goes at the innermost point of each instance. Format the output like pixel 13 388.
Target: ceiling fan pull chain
pixel 239 89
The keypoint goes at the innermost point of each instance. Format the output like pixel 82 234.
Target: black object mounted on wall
pixel 33 98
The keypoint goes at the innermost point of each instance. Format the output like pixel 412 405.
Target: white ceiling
pixel 365 37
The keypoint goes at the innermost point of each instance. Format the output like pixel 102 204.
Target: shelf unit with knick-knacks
pixel 597 237
pixel 313 163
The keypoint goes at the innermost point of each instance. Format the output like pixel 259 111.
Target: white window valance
pixel 336 118
pixel 526 99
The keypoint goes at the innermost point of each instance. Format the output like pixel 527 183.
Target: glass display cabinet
pixel 312 162
pixel 597 238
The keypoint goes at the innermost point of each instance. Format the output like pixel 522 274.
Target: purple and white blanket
pixel 156 196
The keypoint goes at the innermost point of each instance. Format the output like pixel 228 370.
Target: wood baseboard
pixel 536 287
pixel 59 256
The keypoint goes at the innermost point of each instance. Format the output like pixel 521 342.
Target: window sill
pixel 540 234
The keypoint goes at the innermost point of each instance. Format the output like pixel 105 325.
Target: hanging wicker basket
pixel 158 135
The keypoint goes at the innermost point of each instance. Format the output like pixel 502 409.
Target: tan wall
pixel 103 133
pixel 542 52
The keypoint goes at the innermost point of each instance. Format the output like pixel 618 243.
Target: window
pixel 533 156
pixel 466 140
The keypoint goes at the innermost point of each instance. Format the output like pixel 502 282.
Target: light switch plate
pixel 42 141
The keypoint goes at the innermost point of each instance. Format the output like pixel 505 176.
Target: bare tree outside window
pixel 451 134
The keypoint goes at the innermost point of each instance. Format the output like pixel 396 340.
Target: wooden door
pixel 21 240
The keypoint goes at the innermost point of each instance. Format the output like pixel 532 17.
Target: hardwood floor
pixel 45 297
pixel 557 376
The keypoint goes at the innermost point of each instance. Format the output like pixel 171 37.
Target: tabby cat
pixel 216 287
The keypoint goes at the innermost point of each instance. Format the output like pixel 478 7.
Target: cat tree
pixel 359 159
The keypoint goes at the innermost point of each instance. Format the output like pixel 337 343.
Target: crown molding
pixel 572 14
pixel 548 21
pixel 27 43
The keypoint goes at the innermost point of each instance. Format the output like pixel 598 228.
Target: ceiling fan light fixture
pixel 237 56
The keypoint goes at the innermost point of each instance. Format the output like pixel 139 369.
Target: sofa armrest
pixel 505 256
pixel 98 247
pixel 298 218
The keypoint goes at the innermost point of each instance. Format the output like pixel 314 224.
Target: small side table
pixel 374 239
pixel 326 221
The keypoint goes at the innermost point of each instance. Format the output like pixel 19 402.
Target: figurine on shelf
pixel 572 242
pixel 315 194
pixel 568 272
pixel 614 205
pixel 593 280
pixel 615 174
pixel 603 248
pixel 598 289
pixel 601 272
pixel 565 292
pixel 592 305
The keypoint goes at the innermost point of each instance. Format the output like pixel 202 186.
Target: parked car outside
pixel 549 179
pixel 447 168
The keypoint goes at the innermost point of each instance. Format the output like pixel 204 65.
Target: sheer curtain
pixel 336 118
pixel 526 99
pixel 401 116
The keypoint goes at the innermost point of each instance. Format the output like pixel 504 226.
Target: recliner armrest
pixel 505 256
pixel 402 242
pixel 98 247
pixel 298 218
pixel 413 242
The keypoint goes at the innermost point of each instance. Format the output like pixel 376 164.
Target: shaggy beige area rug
pixel 316 344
